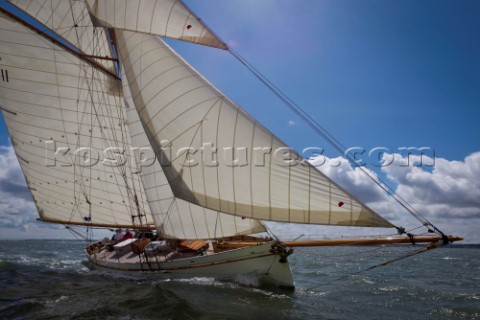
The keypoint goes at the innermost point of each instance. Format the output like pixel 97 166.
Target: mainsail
pixel 182 111
pixel 53 99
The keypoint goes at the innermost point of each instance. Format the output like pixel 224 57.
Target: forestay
pixel 187 120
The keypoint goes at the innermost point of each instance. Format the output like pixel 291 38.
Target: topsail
pixel 168 18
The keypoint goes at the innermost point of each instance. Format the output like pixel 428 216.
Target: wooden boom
pixel 232 244
pixel 366 241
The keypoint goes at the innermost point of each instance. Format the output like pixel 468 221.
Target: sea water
pixel 50 279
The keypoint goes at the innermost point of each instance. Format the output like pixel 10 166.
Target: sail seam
pixel 153 14
pixel 193 222
pixel 160 91
pixel 270 179
pixel 138 12
pixel 169 15
pixel 132 64
pixel 251 168
pixel 233 165
pixel 164 88
pixel 216 146
pixel 188 110
pixel 180 218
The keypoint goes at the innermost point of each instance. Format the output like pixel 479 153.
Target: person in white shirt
pixel 118 236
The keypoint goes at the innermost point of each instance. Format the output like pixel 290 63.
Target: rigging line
pixel 125 140
pixel 106 114
pixel 328 137
pixel 89 86
pixel 124 136
pixel 270 232
pixel 123 169
pixel 90 140
pixel 216 223
pixel 117 141
pixel 81 81
pixel 54 49
pixel 95 43
pixel 76 233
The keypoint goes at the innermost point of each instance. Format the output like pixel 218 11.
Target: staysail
pixel 220 158
pixel 168 18
pixel 175 217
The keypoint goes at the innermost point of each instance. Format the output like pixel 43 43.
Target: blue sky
pixel 373 73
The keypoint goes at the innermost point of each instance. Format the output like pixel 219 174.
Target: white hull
pixel 253 265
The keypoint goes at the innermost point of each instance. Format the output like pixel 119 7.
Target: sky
pixel 374 73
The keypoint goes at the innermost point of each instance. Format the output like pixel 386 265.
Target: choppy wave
pixel 51 279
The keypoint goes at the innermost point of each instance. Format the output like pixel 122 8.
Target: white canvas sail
pixel 182 110
pixel 175 217
pixel 52 95
pixel 168 18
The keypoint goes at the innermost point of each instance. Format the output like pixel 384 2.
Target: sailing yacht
pixel 89 89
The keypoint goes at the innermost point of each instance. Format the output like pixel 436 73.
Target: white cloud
pixel 17 209
pixel 451 189
pixel 291 123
